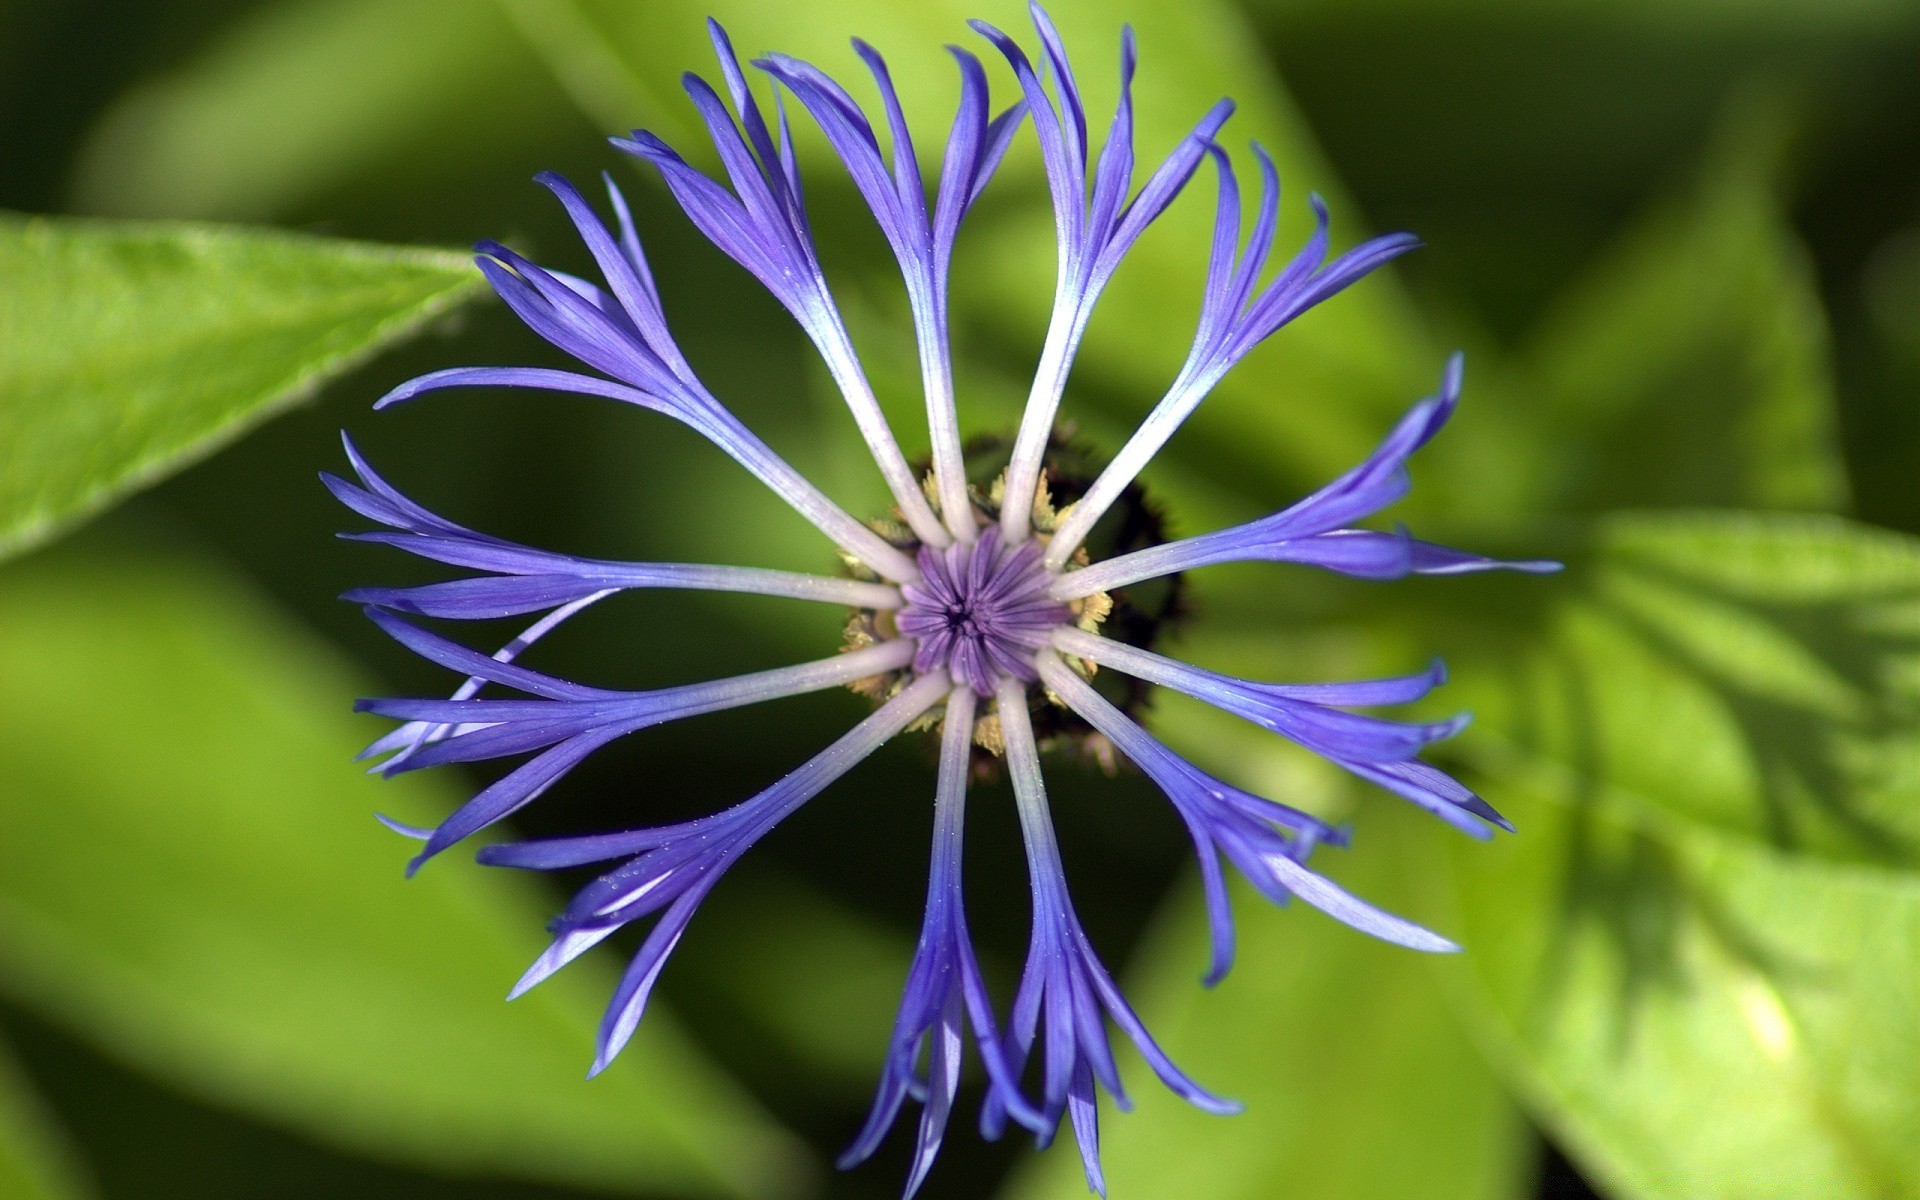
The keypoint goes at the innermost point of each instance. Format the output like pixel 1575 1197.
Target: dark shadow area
pixel 1559 1178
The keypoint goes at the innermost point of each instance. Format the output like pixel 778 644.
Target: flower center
pixel 981 611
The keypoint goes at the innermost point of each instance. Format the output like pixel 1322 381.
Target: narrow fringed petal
pixel 921 241
pixel 529 580
pixel 541 378
pixel 555 716
pixel 894 192
pixel 409 739
pixel 1095 227
pixel 511 595
pixel 566 722
pixel 756 223
pixel 1377 750
pixel 1268 842
pixel 673 868
pixel 1429 559
pixel 485 598
pixel 553 854
pixel 626 337
pixel 1066 996
pixel 975 148
pixel 1235 317
pixel 1213 890
pixel 584 329
pixel 1281 708
pixel 760 222
pixel 1376 483
pixel 1342 905
pixel 512 792
pixel 1434 790
pixel 1313 531
pixel 625 268
pixel 945 997
pixel 455 657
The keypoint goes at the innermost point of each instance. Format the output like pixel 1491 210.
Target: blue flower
pixel 978 611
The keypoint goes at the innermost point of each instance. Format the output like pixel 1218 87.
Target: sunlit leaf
pixel 1357 1081
pixel 34 1162
pixel 1760 675
pixel 1698 955
pixel 128 351
pixel 1694 1015
pixel 192 880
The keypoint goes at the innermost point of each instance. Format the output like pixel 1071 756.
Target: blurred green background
pixel 1680 243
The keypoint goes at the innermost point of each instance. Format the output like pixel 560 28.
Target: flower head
pixel 977 612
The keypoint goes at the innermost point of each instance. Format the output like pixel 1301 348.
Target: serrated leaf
pixel 192 880
pixel 34 1160
pixel 1690 367
pixel 1357 1080
pixel 130 350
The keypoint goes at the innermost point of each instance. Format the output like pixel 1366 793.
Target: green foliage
pixel 1696 1015
pixel 1757 675
pixel 1692 359
pixel 1694 965
pixel 135 349
pixel 1698 956
pixel 193 880
pixel 300 98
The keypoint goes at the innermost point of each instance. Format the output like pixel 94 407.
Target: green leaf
pixel 1357 1080
pixel 1695 1015
pixel 192 880
pixel 34 1161
pixel 1697 958
pixel 128 351
pixel 297 99
pixel 1757 675
pixel 1691 366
